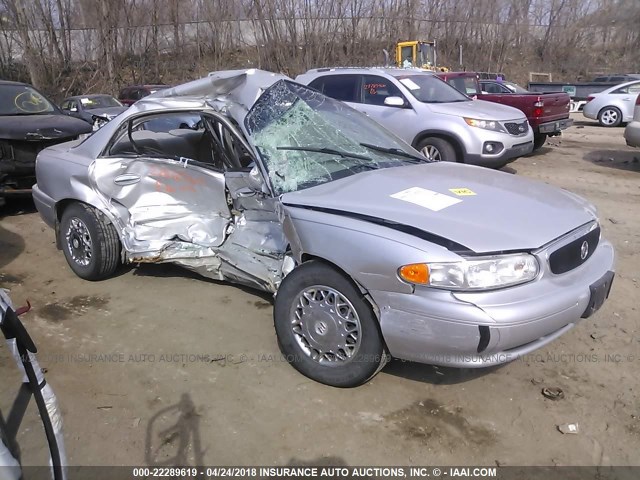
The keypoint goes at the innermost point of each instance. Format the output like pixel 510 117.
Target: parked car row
pixel 430 115
pixel 373 248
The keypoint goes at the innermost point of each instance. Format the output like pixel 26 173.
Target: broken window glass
pixel 306 138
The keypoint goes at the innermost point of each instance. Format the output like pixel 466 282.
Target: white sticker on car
pixel 426 198
pixel 410 84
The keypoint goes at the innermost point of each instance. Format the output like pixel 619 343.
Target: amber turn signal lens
pixel 415 273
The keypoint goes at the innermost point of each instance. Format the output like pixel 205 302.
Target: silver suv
pixel 428 113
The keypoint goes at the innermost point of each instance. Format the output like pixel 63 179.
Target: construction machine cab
pixel 417 54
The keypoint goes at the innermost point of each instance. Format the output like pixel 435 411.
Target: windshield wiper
pixel 394 151
pixel 328 151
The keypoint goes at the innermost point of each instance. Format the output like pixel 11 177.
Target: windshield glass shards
pixel 306 138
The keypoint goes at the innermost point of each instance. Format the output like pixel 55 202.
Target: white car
pixel 613 106
pixel 632 132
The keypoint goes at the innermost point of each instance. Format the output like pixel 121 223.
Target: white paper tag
pixel 426 198
pixel 410 84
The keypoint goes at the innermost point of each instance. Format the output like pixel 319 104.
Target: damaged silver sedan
pixel 370 249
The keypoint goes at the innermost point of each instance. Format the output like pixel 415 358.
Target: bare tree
pixel 76 45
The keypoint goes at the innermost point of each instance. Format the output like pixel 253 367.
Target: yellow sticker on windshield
pixel 462 192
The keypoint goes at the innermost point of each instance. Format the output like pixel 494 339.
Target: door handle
pixel 126 179
pixel 362 111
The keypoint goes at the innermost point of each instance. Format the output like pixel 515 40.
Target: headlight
pixel 486 124
pixel 481 273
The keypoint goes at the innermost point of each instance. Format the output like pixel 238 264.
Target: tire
pixel 307 345
pixel 539 140
pixel 610 117
pixel 437 149
pixel 89 241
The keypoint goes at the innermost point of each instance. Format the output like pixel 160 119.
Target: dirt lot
pixel 128 360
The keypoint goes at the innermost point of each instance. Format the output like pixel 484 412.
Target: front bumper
pixel 555 127
pixel 489 328
pixel 632 133
pixel 509 154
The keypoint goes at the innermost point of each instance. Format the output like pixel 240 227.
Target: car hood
pixel 107 111
pixel 41 127
pixel 478 109
pixel 490 212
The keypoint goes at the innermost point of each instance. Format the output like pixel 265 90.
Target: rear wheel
pixel 89 241
pixel 538 140
pixel 610 117
pixel 437 149
pixel 325 327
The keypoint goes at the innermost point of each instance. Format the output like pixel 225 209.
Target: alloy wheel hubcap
pixel 609 117
pixel 326 325
pixel 432 153
pixel 79 242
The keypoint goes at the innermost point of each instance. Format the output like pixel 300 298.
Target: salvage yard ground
pixel 158 366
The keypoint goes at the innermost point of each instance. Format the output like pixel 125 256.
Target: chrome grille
pixel 575 253
pixel 515 128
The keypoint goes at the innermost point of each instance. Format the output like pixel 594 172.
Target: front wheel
pixel 538 140
pixel 610 117
pixel 326 329
pixel 89 241
pixel 437 150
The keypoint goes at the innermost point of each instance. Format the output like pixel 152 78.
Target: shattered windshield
pixel 23 100
pixel 306 139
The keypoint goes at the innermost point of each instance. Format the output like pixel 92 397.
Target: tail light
pixel 589 98
pixel 638 100
pixel 538 110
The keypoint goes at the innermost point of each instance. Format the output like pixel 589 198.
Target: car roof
pixel 147 85
pixel 92 95
pixel 466 75
pixel 9 82
pixel 393 71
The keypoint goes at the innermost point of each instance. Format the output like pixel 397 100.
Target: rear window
pixel 633 88
pixel 340 87
pixel 491 87
pixel 466 85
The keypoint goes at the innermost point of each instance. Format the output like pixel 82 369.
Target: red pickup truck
pixel 548 113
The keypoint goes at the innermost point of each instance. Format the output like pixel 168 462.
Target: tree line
pixel 80 46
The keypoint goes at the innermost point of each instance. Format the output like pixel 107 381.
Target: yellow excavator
pixel 419 54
